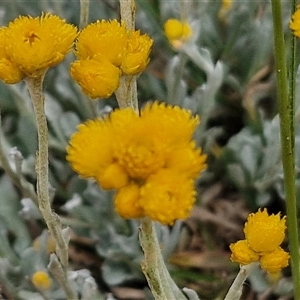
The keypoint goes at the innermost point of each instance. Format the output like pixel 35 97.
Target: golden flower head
pixel 9 71
pixel 242 253
pixel 98 77
pixel 177 32
pixel 41 280
pixel 108 38
pixel 35 44
pixel 274 261
pixel 137 54
pixel 126 150
pixel 90 150
pixel 295 22
pixel 127 202
pixel 167 196
pixel 264 233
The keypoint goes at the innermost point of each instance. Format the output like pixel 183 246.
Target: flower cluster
pixel 28 46
pixel 263 234
pixel 177 32
pixel 151 159
pixel 106 50
pixel 295 22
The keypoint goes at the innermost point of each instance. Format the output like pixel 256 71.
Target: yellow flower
pixel 177 32
pixel 35 44
pixel 90 150
pixel 295 22
pixel 137 55
pixel 264 233
pixel 193 162
pixel 108 38
pixel 167 196
pixel 97 77
pixel 41 280
pixel 150 158
pixel 274 261
pixel 242 253
pixel 9 71
pixel 127 202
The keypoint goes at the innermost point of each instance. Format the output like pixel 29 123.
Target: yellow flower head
pixel 146 156
pixel 90 150
pixel 274 261
pixel 35 44
pixel 167 196
pixel 98 77
pixel 108 38
pixel 295 22
pixel 137 55
pixel 9 71
pixel 127 202
pixel 264 233
pixel 242 253
pixel 41 280
pixel 177 32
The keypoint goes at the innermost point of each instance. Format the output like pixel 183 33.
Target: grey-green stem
pixel 162 285
pixel 51 218
pixel 236 288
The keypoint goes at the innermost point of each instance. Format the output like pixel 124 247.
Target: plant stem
pixel 52 219
pixel 236 288
pixel 287 142
pixel 153 266
pixel 127 9
pixel 292 81
pixel 84 13
pixel 126 94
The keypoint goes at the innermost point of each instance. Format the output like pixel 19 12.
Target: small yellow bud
pixel 41 280
pixel 177 32
pixel 273 262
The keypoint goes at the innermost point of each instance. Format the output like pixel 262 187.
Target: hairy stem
pixel 153 266
pixel 52 219
pixel 236 288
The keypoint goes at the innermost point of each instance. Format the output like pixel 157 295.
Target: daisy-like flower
pixel 114 50
pixel 149 158
pixel 167 196
pixel 295 22
pixel 137 54
pixel 9 71
pixel 98 77
pixel 108 38
pixel 271 228
pixel 31 45
pixel 177 32
pixel 263 235
pixel 41 280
